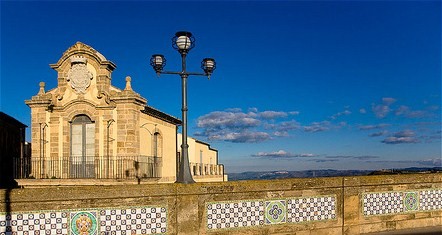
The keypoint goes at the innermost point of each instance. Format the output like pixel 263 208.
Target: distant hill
pixel 265 175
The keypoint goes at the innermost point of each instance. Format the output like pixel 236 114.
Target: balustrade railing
pixel 206 169
pixel 90 167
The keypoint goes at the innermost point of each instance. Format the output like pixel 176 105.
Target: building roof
pixel 161 115
pixel 208 145
pixel 8 119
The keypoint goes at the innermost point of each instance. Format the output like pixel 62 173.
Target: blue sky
pixel 299 85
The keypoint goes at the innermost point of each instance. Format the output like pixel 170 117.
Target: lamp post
pixel 183 42
pixel 42 148
pixel 109 122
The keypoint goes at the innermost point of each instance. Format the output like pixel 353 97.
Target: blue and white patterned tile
pixel 149 220
pixel 103 221
pixel 309 209
pixel 397 202
pixel 236 214
pixel 34 223
pixel 430 199
pixel 382 203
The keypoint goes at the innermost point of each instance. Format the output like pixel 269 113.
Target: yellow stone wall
pixel 167 142
pixel 203 161
pixel 194 208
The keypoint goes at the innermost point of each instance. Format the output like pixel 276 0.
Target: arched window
pixel 82 147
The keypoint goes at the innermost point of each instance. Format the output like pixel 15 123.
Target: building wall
pixel 166 144
pixel 203 161
pixel 12 149
pixel 332 205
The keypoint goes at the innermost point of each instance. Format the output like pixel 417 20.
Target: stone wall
pixel 335 205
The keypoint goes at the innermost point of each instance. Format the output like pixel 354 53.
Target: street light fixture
pixel 183 42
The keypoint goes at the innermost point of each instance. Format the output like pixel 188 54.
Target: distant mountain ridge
pixel 266 175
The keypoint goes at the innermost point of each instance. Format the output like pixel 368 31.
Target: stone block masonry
pixel 335 205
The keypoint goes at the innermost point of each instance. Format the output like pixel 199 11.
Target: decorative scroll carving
pixel 79 76
pixel 102 94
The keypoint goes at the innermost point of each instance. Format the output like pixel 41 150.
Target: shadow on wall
pixel 7 210
pixel 12 136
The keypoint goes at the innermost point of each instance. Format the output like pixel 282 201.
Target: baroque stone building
pixel 87 128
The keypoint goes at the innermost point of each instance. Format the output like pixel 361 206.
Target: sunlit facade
pixel 87 128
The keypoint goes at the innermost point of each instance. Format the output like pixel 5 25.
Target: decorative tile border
pixel 396 202
pixel 98 221
pixel 237 214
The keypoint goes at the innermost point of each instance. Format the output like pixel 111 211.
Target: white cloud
pixel 233 125
pixel 372 127
pixel 272 114
pixel 233 110
pixel 382 110
pixel 377 134
pixel 407 112
pixel 283 154
pixel 388 100
pixel 281 133
pixel 318 127
pixel 402 137
pixel 220 120
pixel 343 113
pixel 245 137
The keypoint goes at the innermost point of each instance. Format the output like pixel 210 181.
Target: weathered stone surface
pixel 187 213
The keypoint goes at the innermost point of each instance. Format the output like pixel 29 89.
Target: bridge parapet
pixel 334 205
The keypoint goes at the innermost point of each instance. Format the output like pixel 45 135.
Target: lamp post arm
pixel 170 72
pixel 184 73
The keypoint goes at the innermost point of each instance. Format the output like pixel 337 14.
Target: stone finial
pixel 42 88
pixel 128 86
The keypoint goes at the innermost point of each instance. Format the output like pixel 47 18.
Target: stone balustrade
pixel 199 169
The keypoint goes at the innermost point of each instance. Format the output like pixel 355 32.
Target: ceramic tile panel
pixel 383 203
pixel 430 199
pixel 396 202
pixel 236 214
pixel 275 211
pixel 309 209
pixel 249 213
pixel 99 221
pixel 133 221
pixel 34 223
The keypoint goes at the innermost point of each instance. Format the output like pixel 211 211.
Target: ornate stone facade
pixel 87 128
